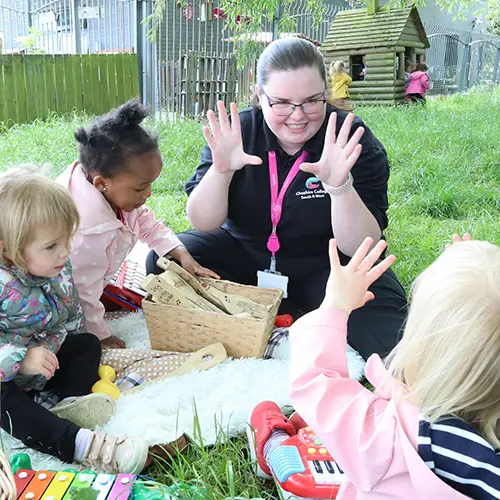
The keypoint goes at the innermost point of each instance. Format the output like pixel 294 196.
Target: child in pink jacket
pixel 430 429
pixel 118 162
pixel 419 83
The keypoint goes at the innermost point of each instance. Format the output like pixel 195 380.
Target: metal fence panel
pixel 190 64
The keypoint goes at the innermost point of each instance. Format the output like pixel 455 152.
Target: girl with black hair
pixel 110 182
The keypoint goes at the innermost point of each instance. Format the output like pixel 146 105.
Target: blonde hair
pixel 336 67
pixel 30 202
pixel 449 355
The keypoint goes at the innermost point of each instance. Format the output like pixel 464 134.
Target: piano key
pixel 339 469
pixel 329 466
pixel 317 472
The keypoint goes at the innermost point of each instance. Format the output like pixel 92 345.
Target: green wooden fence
pixel 31 86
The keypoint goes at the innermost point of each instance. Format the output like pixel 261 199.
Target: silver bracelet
pixel 339 190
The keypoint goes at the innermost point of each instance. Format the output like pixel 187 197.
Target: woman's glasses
pixel 287 108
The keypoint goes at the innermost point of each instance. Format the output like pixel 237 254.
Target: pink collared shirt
pixel 103 242
pixel 372 435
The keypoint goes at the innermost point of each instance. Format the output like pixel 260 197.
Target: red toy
pixel 283 321
pixel 125 287
pixel 303 468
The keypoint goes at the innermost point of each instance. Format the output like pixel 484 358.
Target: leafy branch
pixel 244 20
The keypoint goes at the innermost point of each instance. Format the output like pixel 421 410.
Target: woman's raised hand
pixel 225 141
pixel 339 153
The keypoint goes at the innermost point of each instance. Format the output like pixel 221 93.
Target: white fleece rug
pixel 222 398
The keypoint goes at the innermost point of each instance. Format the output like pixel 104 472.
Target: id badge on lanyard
pixel 271 278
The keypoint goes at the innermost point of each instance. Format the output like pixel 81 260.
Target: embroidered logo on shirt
pixel 312 183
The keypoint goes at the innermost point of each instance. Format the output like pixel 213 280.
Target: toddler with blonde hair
pixel 430 428
pixel 43 344
pixel 338 95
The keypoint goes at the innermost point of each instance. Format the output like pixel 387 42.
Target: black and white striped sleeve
pixel 461 457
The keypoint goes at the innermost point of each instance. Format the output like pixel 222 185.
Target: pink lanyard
pixel 273 243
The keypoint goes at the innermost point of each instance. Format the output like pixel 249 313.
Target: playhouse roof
pixel 356 29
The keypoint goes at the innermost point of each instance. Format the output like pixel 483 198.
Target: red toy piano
pixel 303 468
pixel 125 287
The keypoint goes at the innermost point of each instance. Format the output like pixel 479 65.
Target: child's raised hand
pixel 339 153
pixel 39 361
pixel 225 141
pixel 347 286
pixel 456 238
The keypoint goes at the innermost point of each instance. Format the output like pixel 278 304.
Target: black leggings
pixel 34 425
pixel 375 328
pixel 416 98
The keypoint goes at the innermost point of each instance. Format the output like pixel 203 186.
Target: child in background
pixel 43 343
pixel 339 95
pixel 118 162
pixel 431 427
pixel 419 83
pixel 408 70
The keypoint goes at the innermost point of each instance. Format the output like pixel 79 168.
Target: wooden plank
pixel 112 83
pixel 385 65
pixel 391 26
pixel 97 105
pixel 40 93
pixel 388 89
pixel 381 78
pixel 60 84
pixel 77 72
pixel 50 83
pixel 31 78
pixel 69 83
pixel 411 29
pixel 134 75
pixel 381 56
pixel 9 90
pixel 87 84
pixel 3 108
pixel 370 70
pixel 358 52
pixel 127 77
pixel 404 39
pixel 104 87
pixel 363 84
pixel 190 61
pixel 21 98
pixel 121 90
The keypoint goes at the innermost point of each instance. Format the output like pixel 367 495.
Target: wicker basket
pixel 175 328
pixel 7 484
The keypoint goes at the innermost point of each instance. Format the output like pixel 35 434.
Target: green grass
pixel 445 178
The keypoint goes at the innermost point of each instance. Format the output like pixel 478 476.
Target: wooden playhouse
pixel 374 45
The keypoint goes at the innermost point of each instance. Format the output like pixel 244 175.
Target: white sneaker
pixel 87 411
pixel 116 455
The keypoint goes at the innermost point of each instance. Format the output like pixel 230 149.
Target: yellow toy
pixel 106 385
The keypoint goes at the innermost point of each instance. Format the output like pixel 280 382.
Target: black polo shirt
pixel 305 226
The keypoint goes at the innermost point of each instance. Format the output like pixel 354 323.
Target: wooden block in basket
pixel 183 329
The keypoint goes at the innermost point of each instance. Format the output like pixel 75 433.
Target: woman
pixel 230 193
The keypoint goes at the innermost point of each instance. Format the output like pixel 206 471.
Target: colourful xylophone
pixel 71 485
pixel 125 287
pixel 303 468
